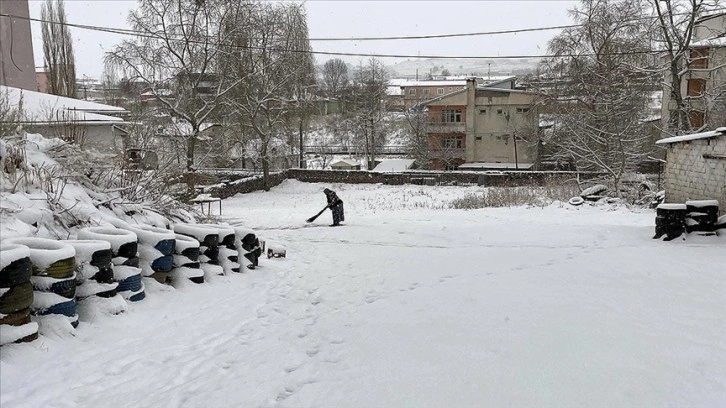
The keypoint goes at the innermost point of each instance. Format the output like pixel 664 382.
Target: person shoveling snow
pixel 336 206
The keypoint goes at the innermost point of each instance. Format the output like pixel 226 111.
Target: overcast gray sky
pixel 355 19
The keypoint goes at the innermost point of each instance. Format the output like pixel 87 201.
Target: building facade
pixel 483 126
pixel 704 85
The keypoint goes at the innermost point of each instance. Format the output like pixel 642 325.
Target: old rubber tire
pixel 130 284
pixel 17 272
pixel 64 308
pixel 65 288
pixel 163 264
pixel 576 201
pixel 18 318
pixel 17 298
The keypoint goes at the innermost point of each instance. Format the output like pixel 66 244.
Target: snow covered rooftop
pixel 710 42
pixel 495 166
pixel 694 136
pixel 45 108
pixel 434 83
pixel 345 162
pixel 394 90
pixel 394 165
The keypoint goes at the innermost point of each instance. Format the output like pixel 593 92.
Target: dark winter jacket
pixel 332 198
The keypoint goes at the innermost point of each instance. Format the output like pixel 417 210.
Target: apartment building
pixel 482 126
pixel 704 85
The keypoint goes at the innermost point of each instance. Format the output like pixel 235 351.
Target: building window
pixel 522 110
pixel 697 119
pixel 453 142
pixel 439 91
pixel 451 116
pixel 412 92
pixel 482 111
pixel 500 111
pixel 699 58
pixel 450 88
pixel 696 86
pixel 426 91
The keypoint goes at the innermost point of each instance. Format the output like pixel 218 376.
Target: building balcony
pixel 446 127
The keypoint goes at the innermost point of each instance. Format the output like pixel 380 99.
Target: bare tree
pixel 367 95
pixel 605 85
pixel 676 25
pixel 417 135
pixel 335 77
pixel 179 55
pixel 58 49
pixel 273 71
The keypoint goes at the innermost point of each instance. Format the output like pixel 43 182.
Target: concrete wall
pixel 104 138
pixel 17 66
pixel 690 176
pixel 709 27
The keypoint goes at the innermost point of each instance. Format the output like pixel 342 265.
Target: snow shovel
pixel 311 219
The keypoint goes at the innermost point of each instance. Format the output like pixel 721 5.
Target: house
pixel 704 84
pixel 394 165
pixel 415 92
pixel 495 123
pixel 88 124
pixel 344 164
pixel 696 167
pixel 17 66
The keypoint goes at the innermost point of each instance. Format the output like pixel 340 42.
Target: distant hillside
pixel 480 67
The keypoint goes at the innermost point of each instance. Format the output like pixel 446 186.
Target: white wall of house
pixel 101 137
pixel 494 120
pixel 690 176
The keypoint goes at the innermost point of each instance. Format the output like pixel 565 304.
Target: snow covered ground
pixel 410 305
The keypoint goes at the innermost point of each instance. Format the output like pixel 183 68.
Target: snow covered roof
pixel 710 42
pixel 694 136
pixel 42 108
pixel 394 90
pixel 345 162
pixel 394 165
pixel 434 83
pixel 504 166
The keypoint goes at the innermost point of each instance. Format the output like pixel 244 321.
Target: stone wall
pixel 245 185
pixel 690 176
pixel 490 179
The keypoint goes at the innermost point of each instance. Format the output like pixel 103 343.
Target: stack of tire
pixel 124 249
pixel 53 280
pixel 186 260
pixel 156 251
pixel 208 238
pixel 227 250
pixel 701 216
pixel 248 246
pixel 96 288
pixel 670 221
pixel 16 295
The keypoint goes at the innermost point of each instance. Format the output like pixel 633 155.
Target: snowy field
pixel 410 305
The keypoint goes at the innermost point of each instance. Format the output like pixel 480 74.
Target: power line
pixel 150 35
pixel 425 37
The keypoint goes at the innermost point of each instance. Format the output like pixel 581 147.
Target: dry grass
pixel 517 196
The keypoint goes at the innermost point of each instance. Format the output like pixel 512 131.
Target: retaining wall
pixel 490 179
